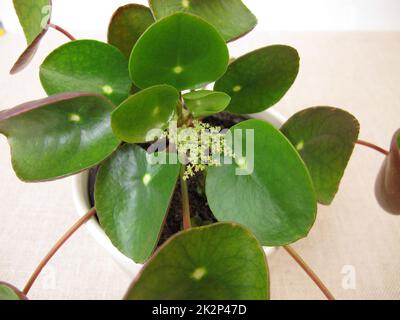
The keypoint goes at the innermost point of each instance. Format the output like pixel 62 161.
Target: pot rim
pixel 82 204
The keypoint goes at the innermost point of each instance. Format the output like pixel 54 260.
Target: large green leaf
pixel 181 50
pixel 387 186
pixel 34 16
pixel 223 261
pixel 132 197
pixel 9 292
pixel 151 108
pixel 127 24
pixel 204 103
pixel 259 79
pixel 273 195
pixel 325 139
pixel 59 135
pixel 230 17
pixel 88 66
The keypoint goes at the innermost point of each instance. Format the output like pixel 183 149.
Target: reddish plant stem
pixel 309 272
pixel 185 201
pixel 372 146
pixel 63 31
pixel 57 246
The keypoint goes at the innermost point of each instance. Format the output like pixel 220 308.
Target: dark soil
pixel 199 209
pixel 225 120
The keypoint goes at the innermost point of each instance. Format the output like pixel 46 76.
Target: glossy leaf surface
pixel 325 138
pixel 127 24
pixel 132 197
pixel 259 79
pixel 270 193
pixel 204 103
pixel 230 17
pixel 58 136
pixel 181 50
pixel 223 261
pixel 151 108
pixel 87 66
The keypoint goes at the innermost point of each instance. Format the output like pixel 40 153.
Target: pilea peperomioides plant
pixel 126 105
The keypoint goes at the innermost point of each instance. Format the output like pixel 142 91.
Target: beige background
pixel 356 71
pixel 290 15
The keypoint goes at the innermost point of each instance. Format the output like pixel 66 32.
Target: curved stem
pixel 185 202
pixel 63 31
pixel 372 146
pixel 309 272
pixel 57 246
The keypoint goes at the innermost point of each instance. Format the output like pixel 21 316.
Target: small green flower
pixel 201 145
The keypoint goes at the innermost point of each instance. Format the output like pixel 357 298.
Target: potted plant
pixel 187 180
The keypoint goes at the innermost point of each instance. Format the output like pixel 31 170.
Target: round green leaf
pixel 148 109
pixel 127 24
pixel 271 193
pixel 87 66
pixel 59 135
pixel 34 17
pixel 181 50
pixel 132 197
pixel 259 79
pixel 387 186
pixel 222 261
pixel 204 103
pixel 325 139
pixel 9 292
pixel 230 17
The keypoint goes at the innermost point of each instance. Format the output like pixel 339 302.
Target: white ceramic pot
pixel 82 204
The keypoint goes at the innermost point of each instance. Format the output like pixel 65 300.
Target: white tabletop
pixel 359 72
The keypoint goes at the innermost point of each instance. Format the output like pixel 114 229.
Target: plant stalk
pixel 63 31
pixel 309 272
pixel 185 201
pixel 179 112
pixel 372 146
pixel 57 246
